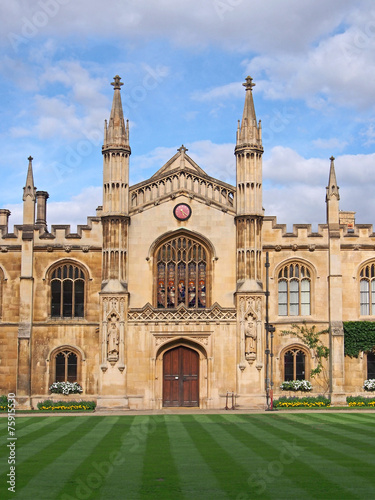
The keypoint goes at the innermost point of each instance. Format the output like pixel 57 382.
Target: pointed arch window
pixel 294 290
pixel 294 364
pixel 367 290
pixel 68 291
pixel 370 365
pixel 181 273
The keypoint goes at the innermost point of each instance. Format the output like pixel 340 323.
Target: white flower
pixel 369 384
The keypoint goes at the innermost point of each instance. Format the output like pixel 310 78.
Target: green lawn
pixel 269 455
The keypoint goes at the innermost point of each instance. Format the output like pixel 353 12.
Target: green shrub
pixel 49 405
pixel 3 403
pixel 304 402
pixel 358 401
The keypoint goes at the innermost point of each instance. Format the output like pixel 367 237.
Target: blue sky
pixel 183 64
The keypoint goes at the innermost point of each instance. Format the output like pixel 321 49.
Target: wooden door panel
pixel 181 377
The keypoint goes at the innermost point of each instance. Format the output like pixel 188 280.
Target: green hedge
pixel 358 336
pixel 49 405
pixel 360 401
pixel 304 402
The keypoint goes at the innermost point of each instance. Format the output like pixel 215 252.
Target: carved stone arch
pixel 182 232
pixel 204 368
pixel 296 260
pixel 49 269
pixel 294 347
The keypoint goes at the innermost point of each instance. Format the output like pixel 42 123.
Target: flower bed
pixel 304 402
pixel 3 403
pixel 296 385
pixel 49 405
pixel 369 384
pixel 65 388
pixel 360 401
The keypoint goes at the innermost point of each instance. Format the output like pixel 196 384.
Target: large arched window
pixel 294 290
pixel 294 364
pixel 67 291
pixel 367 289
pixel 181 273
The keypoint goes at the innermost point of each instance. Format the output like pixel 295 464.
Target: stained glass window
pixel 181 265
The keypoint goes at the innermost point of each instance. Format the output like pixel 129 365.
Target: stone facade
pixel 160 300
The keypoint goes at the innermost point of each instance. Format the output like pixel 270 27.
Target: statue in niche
pixel 250 339
pixel 113 338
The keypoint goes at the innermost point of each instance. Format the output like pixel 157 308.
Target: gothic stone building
pixel 160 300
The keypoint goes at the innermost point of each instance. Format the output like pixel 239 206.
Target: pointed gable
pixel 180 161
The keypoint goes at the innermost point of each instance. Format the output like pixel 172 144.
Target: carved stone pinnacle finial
pixel 117 84
pixel 249 83
pixel 30 158
pixel 182 149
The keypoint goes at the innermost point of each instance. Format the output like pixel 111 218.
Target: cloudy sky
pixel 182 63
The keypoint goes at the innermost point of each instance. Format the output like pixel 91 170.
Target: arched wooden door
pixel 181 377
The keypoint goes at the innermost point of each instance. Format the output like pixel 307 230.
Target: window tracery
pixel 181 268
pixel 294 290
pixel 67 291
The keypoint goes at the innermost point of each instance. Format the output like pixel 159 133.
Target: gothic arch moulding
pixel 198 345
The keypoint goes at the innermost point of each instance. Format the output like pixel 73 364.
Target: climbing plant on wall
pixel 358 336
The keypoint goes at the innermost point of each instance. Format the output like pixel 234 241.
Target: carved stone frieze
pixel 182 313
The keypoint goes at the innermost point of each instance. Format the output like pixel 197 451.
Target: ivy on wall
pixel 358 336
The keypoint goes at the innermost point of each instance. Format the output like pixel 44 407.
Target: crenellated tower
pixel 249 221
pixel 115 224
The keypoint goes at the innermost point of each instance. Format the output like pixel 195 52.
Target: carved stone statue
pixel 113 338
pixel 250 338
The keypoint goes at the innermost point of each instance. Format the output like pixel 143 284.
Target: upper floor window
pixel 181 273
pixel 67 291
pixel 294 290
pixel 367 289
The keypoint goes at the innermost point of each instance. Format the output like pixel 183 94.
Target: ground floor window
pixel 66 367
pixel 294 364
pixel 370 365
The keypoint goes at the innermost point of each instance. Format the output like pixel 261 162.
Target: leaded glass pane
pixel 283 298
pixel 289 366
pixel 192 292
pixel 56 298
pixel 60 367
pixel 181 283
pixel 202 285
pixel 67 298
pixel 79 298
pixel 72 367
pixel 293 298
pixel 300 365
pixel 171 286
pixel 305 297
pixel 365 297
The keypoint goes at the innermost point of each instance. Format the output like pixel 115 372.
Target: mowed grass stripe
pixel 44 434
pixel 160 478
pixel 361 440
pixel 35 464
pixel 264 462
pixel 68 459
pixel 231 475
pixel 328 461
pixel 127 476
pixel 346 443
pixel 196 478
pixel 22 429
pixel 363 424
pixel 94 461
pixel 302 472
